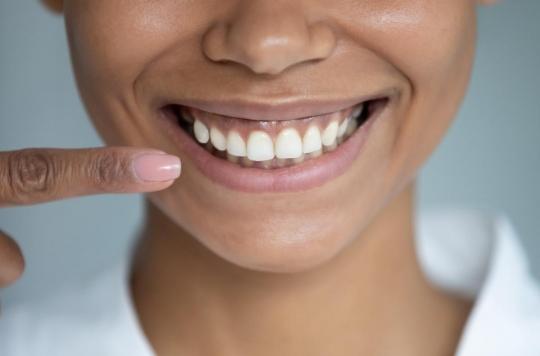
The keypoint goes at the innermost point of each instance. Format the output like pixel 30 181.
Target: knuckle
pixel 31 174
pixel 110 170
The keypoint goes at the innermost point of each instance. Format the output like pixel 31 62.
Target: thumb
pixel 11 260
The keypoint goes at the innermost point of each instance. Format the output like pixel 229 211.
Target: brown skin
pixel 32 176
pixel 327 271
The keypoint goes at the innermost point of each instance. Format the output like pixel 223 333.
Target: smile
pixel 249 154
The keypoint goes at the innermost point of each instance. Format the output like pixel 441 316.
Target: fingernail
pixel 156 167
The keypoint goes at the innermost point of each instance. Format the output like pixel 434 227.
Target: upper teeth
pixel 312 140
pixel 261 147
pixel 288 144
pixel 343 127
pixel 218 139
pixel 236 145
pixel 329 134
pixel 201 132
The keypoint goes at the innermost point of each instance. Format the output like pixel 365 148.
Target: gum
pixel 245 126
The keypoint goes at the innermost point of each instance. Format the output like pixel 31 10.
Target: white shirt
pixel 466 252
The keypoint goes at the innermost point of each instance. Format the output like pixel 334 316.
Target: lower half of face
pixel 296 122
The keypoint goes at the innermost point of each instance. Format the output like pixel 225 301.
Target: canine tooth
pixel 288 144
pixel 260 146
pixel 329 134
pixel 235 144
pixel 312 140
pixel 343 126
pixel 201 132
pixel 218 140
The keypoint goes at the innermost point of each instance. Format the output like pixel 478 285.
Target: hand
pixel 31 176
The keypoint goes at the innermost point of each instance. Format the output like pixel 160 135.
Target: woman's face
pixel 248 71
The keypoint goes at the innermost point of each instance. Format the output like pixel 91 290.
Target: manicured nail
pixel 156 167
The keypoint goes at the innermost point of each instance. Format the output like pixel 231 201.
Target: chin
pixel 276 250
pixel 277 240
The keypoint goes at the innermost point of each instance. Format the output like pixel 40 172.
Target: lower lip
pixel 303 176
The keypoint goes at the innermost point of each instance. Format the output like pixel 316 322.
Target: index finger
pixel 36 175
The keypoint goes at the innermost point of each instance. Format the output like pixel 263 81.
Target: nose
pixel 268 36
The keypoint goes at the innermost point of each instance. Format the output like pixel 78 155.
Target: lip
pixel 306 175
pixel 277 108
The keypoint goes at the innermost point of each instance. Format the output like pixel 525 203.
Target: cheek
pixel 423 39
pixel 111 44
pixel 432 45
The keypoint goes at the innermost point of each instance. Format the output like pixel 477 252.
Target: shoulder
pixel 455 245
pixel 87 319
pixel 478 255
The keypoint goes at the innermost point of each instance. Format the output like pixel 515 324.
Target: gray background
pixel 489 160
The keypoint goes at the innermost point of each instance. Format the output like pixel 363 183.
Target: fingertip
pixel 156 167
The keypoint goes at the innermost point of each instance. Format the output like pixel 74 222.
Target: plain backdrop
pixel 490 159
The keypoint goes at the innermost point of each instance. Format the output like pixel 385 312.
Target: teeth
pixel 236 145
pixel 353 124
pixel 288 144
pixel 358 111
pixel 217 139
pixel 186 115
pixel 201 132
pixel 329 134
pixel 260 146
pixel 312 140
pixel 343 127
pixel 288 148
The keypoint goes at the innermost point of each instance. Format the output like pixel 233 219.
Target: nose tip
pixel 268 40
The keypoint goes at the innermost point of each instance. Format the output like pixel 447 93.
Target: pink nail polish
pixel 156 167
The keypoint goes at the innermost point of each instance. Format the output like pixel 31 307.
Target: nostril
pixel 213 43
pixel 323 41
pixel 268 40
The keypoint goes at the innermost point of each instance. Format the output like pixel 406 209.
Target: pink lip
pixel 307 175
pixel 277 109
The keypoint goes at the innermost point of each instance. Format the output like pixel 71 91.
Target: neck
pixel 363 301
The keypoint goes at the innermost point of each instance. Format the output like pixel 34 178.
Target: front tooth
pixel 288 144
pixel 343 127
pixel 329 134
pixel 260 146
pixel 312 140
pixel 217 139
pixel 201 132
pixel 235 144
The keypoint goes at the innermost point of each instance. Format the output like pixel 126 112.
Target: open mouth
pixel 258 148
pixel 265 144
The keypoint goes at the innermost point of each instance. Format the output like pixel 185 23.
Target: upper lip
pixel 276 109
